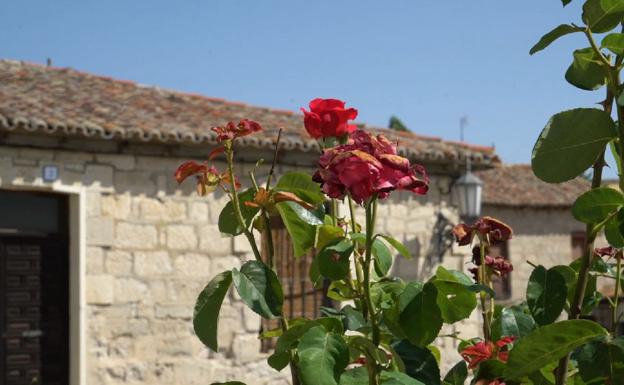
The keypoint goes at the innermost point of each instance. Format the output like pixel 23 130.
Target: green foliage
pixel 259 288
pixel 420 319
pixel 586 71
pixel 419 362
pixel 398 378
pixel 550 37
pixel 397 125
pixel 603 15
pixel 602 362
pixel 597 204
pixel 546 295
pixel 383 258
pixel 323 356
pixel 398 246
pixel 613 230
pixel 357 376
pixel 457 375
pixel 512 321
pixel 614 42
pixel 570 143
pixel 300 224
pixel 455 300
pixel 207 307
pixel 302 185
pixel 228 224
pixel 548 344
pixel 334 260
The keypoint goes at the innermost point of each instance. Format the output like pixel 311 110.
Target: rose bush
pixel 384 330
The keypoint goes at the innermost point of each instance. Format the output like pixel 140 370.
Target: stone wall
pixel 153 245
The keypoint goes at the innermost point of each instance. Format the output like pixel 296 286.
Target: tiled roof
pixel 63 101
pixel 517 186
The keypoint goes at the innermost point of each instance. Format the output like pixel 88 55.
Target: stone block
pixel 118 206
pixel 73 157
pixel 220 264
pixel 198 211
pixel 119 161
pixel 174 311
pixel 211 241
pixel 181 237
pixel 35 153
pixel 95 260
pixel 240 245
pixel 152 263
pixel 93 204
pixel 168 211
pixel 100 231
pixel 135 182
pixel 100 289
pixel 130 290
pixel 118 262
pixel 136 236
pixel 246 348
pixel 192 265
pixel 98 177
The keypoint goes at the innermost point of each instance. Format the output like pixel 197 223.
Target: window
pixel 301 299
pixel 502 286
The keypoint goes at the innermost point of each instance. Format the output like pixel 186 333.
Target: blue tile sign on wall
pixel 50 173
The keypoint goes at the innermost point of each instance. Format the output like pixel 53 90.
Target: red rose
pixel 485 350
pixel 367 166
pixel 328 117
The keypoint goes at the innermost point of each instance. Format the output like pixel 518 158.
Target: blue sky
pixel 428 62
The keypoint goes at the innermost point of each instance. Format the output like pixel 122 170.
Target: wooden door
pixel 34 311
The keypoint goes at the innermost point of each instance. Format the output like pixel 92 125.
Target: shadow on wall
pixel 423 263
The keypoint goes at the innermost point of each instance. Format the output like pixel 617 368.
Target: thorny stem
pixel 236 204
pixel 614 309
pixel 268 236
pixel 590 233
pixel 359 275
pixel 371 213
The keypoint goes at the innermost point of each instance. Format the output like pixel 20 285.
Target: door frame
pixel 77 271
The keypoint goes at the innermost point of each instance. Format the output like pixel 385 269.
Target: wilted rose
pixel 328 118
pixel 208 178
pixel 492 229
pixel 367 166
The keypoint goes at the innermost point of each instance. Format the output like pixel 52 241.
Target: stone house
pixel 102 254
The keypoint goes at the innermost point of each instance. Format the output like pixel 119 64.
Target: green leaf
pixel 383 258
pixel 207 307
pixel 357 376
pixel 259 288
pixel 613 230
pixel 490 369
pixel 420 362
pixel 302 185
pixel 586 71
pixel 566 2
pixel 334 259
pixel 300 226
pixel 570 143
pixel 398 378
pixel 546 295
pixel 455 300
pixel 597 204
pixel 457 375
pixel 549 343
pixel 512 322
pixel 550 37
pixel 353 319
pixel 366 347
pixel 228 224
pixel 614 42
pixel 603 15
pixel 421 319
pixel 323 356
pixel 279 361
pixel 327 234
pixel 398 246
pixel 601 362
